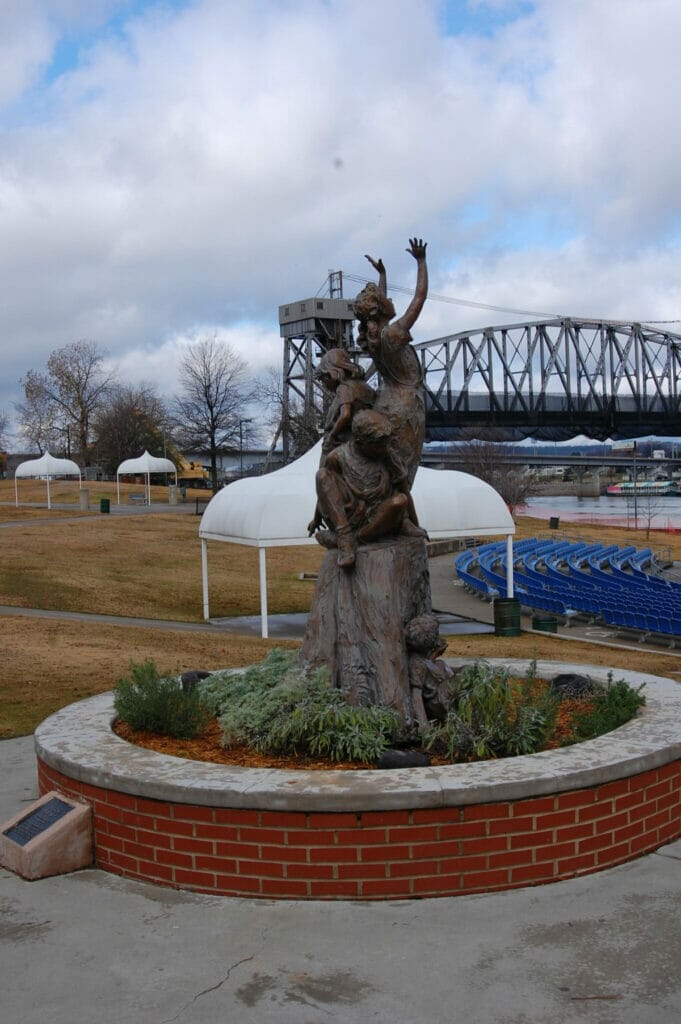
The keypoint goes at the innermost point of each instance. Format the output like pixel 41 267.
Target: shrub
pixel 274 708
pixel 608 707
pixel 148 701
pixel 494 715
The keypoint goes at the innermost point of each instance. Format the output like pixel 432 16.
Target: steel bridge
pixel 553 379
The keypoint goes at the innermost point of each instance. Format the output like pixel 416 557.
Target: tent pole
pixel 48 493
pixel 204 578
pixel 262 555
pixel 16 490
pixel 509 565
pixel 118 489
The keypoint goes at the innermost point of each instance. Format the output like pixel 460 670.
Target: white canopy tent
pixel 47 466
pixel 274 510
pixel 146 464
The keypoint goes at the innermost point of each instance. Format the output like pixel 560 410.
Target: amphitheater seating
pixel 618 586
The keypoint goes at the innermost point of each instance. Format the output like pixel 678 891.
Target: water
pixel 658 513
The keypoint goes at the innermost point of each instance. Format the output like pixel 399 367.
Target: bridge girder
pixel 553 379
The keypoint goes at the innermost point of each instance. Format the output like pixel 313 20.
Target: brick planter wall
pixel 384 854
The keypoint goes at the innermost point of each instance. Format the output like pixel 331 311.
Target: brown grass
pixel 149 566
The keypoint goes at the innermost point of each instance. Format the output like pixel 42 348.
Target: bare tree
pixel 302 424
pixel 133 420
pixel 3 429
pixel 210 411
pixel 482 459
pixel 61 402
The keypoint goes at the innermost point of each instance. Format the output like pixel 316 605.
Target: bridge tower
pixel 310 327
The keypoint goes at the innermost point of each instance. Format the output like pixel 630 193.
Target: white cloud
pixel 203 164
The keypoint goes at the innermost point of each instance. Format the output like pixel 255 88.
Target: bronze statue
pixel 374 581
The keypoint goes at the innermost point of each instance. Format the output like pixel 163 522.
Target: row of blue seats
pixel 567 578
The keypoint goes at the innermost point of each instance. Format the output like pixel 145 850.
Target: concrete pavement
pixel 92 947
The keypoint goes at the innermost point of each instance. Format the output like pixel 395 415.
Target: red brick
pixel 137 850
pixel 440 885
pixel 532 839
pixel 485 812
pixel 109 843
pixel 205 846
pixel 319 837
pixel 191 812
pixel 555 852
pixel 377 819
pixel 669 771
pixel 120 862
pixel 156 872
pixel 599 842
pixel 216 864
pixel 122 831
pixel 633 799
pixel 310 870
pixel 670 831
pixel 484 844
pixel 508 825
pixel 532 873
pixel 122 800
pixel 228 850
pixel 622 835
pixel 176 860
pixel 600 810
pixel 658 790
pixel 640 812
pixel 386 853
pixel 360 836
pixel 639 844
pixel 327 890
pixel 361 871
pixel 286 854
pixel 670 800
pixel 437 816
pixel 613 822
pixel 464 830
pixel 613 854
pixel 413 834
pixel 408 868
pixel 264 869
pixel 613 789
pixel 333 854
pixel 284 888
pixel 389 888
pixel 157 808
pixel 575 865
pixel 576 798
pixel 558 819
pixel 510 858
pixel 657 820
pixel 223 832
pixel 426 851
pixel 205 879
pixel 575 832
pixel 234 816
pixel 462 864
pixel 341 819
pixel 536 805
pixel 237 885
pixel 248 834
pixel 285 819
pixel 492 879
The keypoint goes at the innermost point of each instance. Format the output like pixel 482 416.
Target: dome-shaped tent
pixel 47 466
pixel 274 510
pixel 146 464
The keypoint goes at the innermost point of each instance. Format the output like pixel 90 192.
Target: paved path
pixel 91 947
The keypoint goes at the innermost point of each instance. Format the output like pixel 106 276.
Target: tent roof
pixel 275 509
pixel 146 463
pixel 47 465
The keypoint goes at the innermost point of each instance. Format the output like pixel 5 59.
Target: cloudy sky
pixel 172 168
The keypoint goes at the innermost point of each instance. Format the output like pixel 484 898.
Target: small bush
pixel 494 716
pixel 274 709
pixel 147 701
pixel 609 707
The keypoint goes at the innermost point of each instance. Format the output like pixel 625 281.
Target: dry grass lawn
pixel 148 566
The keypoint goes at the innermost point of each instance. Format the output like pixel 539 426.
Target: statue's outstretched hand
pixel 378 264
pixel 417 248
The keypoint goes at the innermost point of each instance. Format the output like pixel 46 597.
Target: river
pixel 656 513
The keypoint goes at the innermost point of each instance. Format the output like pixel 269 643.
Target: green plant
pixel 494 715
pixel 274 708
pixel 610 706
pixel 148 701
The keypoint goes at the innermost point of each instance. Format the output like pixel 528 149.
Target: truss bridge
pixel 553 379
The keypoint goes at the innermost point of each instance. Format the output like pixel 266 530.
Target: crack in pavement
pixel 211 988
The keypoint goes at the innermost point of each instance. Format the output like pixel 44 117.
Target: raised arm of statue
pixel 417 248
pixel 379 267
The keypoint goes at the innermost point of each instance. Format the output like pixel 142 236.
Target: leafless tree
pixel 3 429
pixel 482 459
pixel 302 425
pixel 133 419
pixel 60 403
pixel 210 410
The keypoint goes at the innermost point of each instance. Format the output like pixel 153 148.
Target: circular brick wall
pixel 373 835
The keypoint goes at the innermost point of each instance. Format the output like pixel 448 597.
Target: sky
pixel 175 169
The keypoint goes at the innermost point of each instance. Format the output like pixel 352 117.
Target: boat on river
pixel 646 489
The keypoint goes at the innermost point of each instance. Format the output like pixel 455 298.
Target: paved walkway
pixel 603 949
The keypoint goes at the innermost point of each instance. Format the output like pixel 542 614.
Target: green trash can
pixel 507 616
pixel 545 623
pixel 104 505
pixel 554 522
